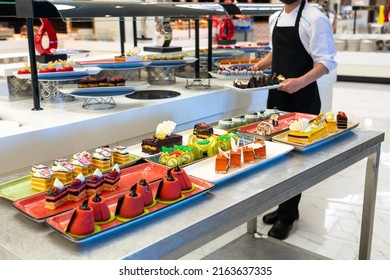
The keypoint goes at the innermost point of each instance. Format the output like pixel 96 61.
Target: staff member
pixel 302 51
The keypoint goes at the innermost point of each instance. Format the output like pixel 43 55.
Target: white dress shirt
pixel 315 32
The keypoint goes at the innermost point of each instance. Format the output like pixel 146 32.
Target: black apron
pixel 291 60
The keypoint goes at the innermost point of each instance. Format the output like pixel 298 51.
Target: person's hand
pixel 291 85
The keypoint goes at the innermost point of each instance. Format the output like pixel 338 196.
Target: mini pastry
pixel 102 158
pixel 120 155
pixel 56 195
pixel 41 177
pixel 82 221
pixel 63 170
pixel 145 190
pixel 77 188
pixel 95 183
pixel 111 180
pixel 100 208
pixel 130 205
pixel 181 175
pixel 169 188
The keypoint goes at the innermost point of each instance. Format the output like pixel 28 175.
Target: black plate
pixel 153 94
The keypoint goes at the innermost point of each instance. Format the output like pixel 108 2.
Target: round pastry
pixel 100 208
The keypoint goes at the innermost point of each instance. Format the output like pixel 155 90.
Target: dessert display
pixel 164 136
pixel 331 122
pixel 301 131
pixel 169 188
pixel 262 81
pixel 95 183
pixel 99 205
pixel 82 221
pixel 171 56
pixel 91 82
pixel 183 178
pixel 41 177
pixel 82 164
pixel 63 170
pixel 111 180
pixel 66 66
pixel 239 70
pixel 131 56
pixel 56 195
pixel 25 70
pixel 222 162
pixel 102 158
pixel 77 188
pixel 130 205
pixel 342 120
pixel 144 189
pixel 203 130
pixel 120 155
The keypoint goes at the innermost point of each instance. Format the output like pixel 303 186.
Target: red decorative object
pixel 46 27
pixel 226 29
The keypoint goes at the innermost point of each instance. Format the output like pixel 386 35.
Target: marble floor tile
pixel 330 212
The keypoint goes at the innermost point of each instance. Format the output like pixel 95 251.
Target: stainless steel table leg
pixel 370 189
pixel 251 226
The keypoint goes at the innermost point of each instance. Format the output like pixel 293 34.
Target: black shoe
pixel 272 217
pixel 280 230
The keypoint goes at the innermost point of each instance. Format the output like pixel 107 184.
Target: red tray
pixel 61 221
pixel 34 206
pixel 284 123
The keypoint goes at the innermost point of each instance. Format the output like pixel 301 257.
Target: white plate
pixel 232 77
pixel 78 72
pixel 251 89
pixel 102 91
pixel 206 169
pixel 8 124
pixel 137 149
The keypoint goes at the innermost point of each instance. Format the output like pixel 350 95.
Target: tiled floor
pixel 330 212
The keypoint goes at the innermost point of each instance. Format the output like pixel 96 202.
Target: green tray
pixel 21 188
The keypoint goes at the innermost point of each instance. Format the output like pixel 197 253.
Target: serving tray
pixel 282 138
pixel 34 206
pixel 61 221
pixel 206 168
pixel 284 124
pixel 21 187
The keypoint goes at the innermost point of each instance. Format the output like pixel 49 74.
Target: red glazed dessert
pixel 145 191
pixel 169 188
pixel 130 205
pixel 82 221
pixel 248 154
pixel 260 149
pixel 111 180
pixel 182 177
pixel 235 158
pixel 100 208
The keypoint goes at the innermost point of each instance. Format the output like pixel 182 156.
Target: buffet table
pixel 175 233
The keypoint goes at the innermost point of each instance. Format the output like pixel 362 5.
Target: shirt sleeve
pixel 320 43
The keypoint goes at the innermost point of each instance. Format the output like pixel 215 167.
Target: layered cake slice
pixel 331 122
pixel 41 177
pixel 56 195
pixel 120 155
pixel 249 154
pixel 102 158
pixel 111 180
pixel 202 130
pixel 260 149
pixel 302 132
pixel 163 137
pixel 222 163
pixel 342 120
pixel 82 164
pixel 63 170
pixel 77 189
pixel 95 183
